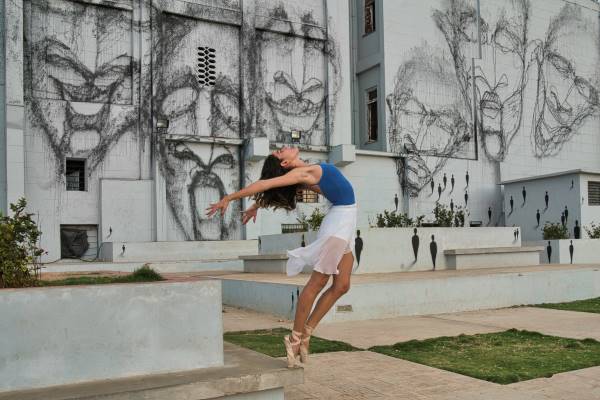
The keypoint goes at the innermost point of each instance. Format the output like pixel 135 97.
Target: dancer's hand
pixel 250 213
pixel 221 205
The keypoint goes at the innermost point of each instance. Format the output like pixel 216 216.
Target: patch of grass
pixel 270 342
pixel 143 274
pixel 503 357
pixel 589 305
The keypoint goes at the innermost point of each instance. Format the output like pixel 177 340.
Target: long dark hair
pixel 281 197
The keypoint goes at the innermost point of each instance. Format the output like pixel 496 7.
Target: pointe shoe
pixel 290 341
pixel 304 343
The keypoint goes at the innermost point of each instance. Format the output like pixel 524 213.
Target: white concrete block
pixel 257 148
pixel 342 154
pixel 63 335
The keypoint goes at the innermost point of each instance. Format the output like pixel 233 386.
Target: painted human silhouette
pixel 572 184
pixel 396 201
pixel 439 191
pixel 489 215
pixel 303 243
pixel 445 180
pixel 571 250
pixel 452 181
pixel 562 218
pixel 432 185
pixel 259 244
pixel 566 214
pixel 415 243
pixel 537 217
pixel 466 198
pixel 549 251
pixel 433 250
pixel 467 178
pixel 577 230
pixel 515 234
pixel 451 205
pixel 524 193
pixel 546 199
pixel 512 204
pixel 358 247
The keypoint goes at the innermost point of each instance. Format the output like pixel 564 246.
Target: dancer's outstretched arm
pixel 294 177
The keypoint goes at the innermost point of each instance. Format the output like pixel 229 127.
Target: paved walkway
pixel 366 375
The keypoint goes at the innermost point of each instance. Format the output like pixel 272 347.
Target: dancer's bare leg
pixel 341 285
pixel 311 290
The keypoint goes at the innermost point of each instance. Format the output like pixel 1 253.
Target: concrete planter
pixel 63 335
pixel 391 249
pixel 585 251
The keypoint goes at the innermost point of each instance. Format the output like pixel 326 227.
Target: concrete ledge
pixel 493 250
pixel 375 296
pixel 161 266
pixel 177 251
pixel 265 257
pixel 66 335
pixel 244 372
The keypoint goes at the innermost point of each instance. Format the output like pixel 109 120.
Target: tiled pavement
pixel 367 375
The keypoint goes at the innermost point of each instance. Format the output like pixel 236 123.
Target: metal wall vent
pixel 206 66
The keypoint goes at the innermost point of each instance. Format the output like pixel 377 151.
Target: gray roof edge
pixel 551 175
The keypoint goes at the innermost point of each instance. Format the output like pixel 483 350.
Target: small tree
pixel 553 231
pixel 397 220
pixel 18 247
pixel 314 221
pixel 593 231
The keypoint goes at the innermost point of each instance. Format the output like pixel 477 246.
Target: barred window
pixel 593 193
pixel 307 196
pixel 75 174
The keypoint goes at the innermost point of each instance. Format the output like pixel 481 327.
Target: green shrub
pixel 553 231
pixel 145 273
pixel 397 220
pixel 18 247
pixel 314 221
pixel 593 231
pixel 446 218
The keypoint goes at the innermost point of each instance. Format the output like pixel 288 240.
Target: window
pixel 372 116
pixel 593 193
pixel 75 172
pixel 206 66
pixel 307 196
pixel 369 16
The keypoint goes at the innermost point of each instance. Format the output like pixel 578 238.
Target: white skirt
pixel 334 239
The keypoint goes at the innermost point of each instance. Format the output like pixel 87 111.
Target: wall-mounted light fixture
pixel 296 135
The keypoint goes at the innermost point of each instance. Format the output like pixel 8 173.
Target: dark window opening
pixel 593 193
pixel 372 125
pixel 75 172
pixel 206 66
pixel 369 16
pixel 307 196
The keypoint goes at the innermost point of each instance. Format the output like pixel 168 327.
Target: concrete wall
pixel 563 191
pixel 177 251
pixel 126 210
pixel 63 335
pixel 391 249
pixel 585 251
pixel 285 66
pixel 388 298
pixel 3 205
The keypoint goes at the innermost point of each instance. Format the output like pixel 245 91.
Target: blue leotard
pixel 335 187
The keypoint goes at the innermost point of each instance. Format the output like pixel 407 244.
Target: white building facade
pixel 126 119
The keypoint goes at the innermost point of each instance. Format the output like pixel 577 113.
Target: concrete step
pixel 268 264
pixel 492 257
pixel 244 375
pixel 176 251
pixel 161 266
pixel 388 295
